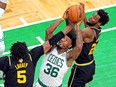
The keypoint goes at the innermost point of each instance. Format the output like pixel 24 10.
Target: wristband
pixel 53 41
pixel 62 19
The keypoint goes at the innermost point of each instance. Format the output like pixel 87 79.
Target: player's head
pixel 18 49
pixel 69 41
pixel 100 18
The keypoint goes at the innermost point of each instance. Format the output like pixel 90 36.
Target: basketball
pixel 75 13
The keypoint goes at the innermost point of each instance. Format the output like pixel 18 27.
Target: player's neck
pixel 60 50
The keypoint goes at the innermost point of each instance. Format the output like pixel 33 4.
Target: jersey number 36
pixel 53 71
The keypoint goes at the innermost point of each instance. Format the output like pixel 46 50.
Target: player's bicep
pixel 84 33
pixel 87 35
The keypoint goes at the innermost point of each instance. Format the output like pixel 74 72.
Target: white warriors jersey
pixel 53 69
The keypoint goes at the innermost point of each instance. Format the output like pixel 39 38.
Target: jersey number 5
pixel 21 76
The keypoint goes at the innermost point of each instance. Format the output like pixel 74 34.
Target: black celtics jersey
pixel 86 54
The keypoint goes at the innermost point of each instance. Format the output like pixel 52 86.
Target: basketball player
pixel 20 66
pixel 3 4
pixel 84 68
pixel 57 61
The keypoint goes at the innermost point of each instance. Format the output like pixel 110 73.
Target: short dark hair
pixel 104 16
pixel 18 49
pixel 72 36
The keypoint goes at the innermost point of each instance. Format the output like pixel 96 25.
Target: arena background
pixel 21 22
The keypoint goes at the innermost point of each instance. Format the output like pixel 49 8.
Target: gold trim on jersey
pixel 84 64
pixel 95 28
pixel 30 57
pixel 9 61
pixel 73 77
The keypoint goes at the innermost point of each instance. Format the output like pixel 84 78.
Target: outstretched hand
pixel 79 23
pixel 82 4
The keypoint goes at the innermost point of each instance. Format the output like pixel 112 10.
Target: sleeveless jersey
pixel 86 54
pixel 53 69
pixel 20 73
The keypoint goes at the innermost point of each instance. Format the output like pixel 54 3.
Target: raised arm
pixel 52 27
pixel 44 48
pixel 74 53
pixel 85 19
pixel 53 41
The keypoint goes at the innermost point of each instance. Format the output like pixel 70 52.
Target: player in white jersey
pixel 2 46
pixel 53 68
pixel 57 61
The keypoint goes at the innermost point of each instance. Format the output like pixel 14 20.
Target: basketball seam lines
pixel 80 15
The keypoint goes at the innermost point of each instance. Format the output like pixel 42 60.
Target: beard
pixel 90 24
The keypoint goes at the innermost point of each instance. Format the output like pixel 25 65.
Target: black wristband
pixel 53 41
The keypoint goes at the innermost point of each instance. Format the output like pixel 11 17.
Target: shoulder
pixel 37 50
pixel 86 32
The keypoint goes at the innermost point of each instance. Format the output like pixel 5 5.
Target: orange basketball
pixel 75 13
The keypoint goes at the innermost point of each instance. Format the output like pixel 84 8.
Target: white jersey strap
pixel 30 57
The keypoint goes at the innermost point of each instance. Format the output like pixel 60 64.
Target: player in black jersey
pixel 84 67
pixel 20 66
